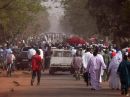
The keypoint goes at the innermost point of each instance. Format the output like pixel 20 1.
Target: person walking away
pixel 6 51
pixel 107 59
pixel 31 52
pixel 10 60
pixel 114 80
pixel 41 52
pixel 42 56
pixel 86 57
pixel 2 57
pixel 36 67
pixel 95 66
pixel 128 66
pixel 77 65
pixel 48 54
pixel 102 70
pixel 124 75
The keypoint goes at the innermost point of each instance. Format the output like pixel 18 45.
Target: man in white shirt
pixel 42 57
pixel 31 52
pixel 86 57
pixel 41 53
pixel 102 70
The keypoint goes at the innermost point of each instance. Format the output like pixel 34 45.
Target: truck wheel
pixel 51 71
pixel 72 71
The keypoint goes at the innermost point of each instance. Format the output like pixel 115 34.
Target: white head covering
pixel 10 52
pixel 114 50
pixel 118 58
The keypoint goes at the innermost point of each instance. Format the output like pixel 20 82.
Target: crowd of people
pixel 103 64
pixel 7 59
pixel 97 64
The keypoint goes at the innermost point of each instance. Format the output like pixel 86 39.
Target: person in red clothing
pixel 36 67
pixel 128 50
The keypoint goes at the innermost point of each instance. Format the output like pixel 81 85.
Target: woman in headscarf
pixel 114 80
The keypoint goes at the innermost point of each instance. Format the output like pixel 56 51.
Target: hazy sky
pixel 55 13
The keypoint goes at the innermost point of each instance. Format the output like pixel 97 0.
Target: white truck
pixel 60 61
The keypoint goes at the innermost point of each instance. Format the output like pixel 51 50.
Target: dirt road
pixel 59 85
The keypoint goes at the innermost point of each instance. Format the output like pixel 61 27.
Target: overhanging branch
pixel 6 5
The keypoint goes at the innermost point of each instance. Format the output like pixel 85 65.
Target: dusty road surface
pixel 59 85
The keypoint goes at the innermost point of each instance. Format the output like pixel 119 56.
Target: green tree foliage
pixel 112 18
pixel 77 19
pixel 39 25
pixel 16 15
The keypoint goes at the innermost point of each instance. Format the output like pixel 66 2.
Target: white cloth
pixel 96 62
pixel 102 69
pixel 114 80
pixel 31 52
pixel 7 51
pixel 41 53
pixel 86 57
pixel 73 51
pixel 10 58
pixel 1 52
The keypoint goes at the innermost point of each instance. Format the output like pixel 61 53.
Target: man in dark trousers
pixel 36 67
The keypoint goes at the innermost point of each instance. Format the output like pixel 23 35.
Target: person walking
pixel 77 65
pixel 42 57
pixel 95 66
pixel 114 80
pixel 10 60
pixel 36 67
pixel 31 52
pixel 86 57
pixel 47 56
pixel 124 75
pixel 107 59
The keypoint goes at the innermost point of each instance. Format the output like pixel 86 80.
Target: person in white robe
pixel 86 57
pixel 114 80
pixel 42 57
pixel 94 67
pixel 102 69
pixel 41 53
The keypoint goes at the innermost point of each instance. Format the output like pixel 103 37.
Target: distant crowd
pixel 96 62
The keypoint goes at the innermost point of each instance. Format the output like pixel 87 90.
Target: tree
pixel 112 18
pixel 77 19
pixel 104 17
pixel 16 15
